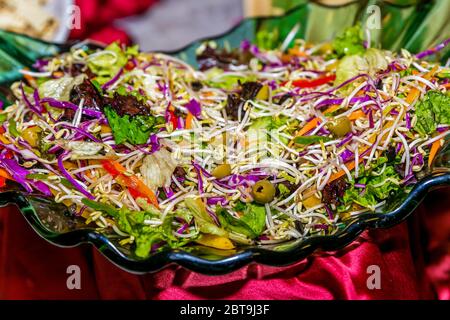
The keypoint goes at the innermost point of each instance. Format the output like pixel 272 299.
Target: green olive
pixel 340 127
pixel 263 191
pixel 221 171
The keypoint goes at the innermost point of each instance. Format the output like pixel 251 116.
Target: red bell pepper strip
pixel 137 188
pixel 173 119
pixel 306 83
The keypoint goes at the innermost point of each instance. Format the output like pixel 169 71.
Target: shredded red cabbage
pixel 346 139
pixel 69 105
pixel 67 175
pixel 346 155
pixel 113 80
pixel 432 51
pixel 194 107
pixel 28 103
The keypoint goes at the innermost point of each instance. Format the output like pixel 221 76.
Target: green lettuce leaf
pixel 132 222
pixel 135 130
pixel 13 128
pixel 216 78
pixel 307 140
pixel 433 110
pixel 251 224
pixel 349 42
pixel 60 89
pixel 371 61
pixel 379 187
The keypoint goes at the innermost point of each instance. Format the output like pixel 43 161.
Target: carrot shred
pixel 5 174
pixel 189 119
pixel 433 151
pixel 350 166
pixel 356 115
pixel 309 126
pixel 415 93
pixel 331 109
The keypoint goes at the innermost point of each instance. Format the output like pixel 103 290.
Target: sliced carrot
pixel 29 78
pixel 332 109
pixel 356 115
pixel 433 151
pixel 58 74
pixel 415 93
pixel 4 139
pixel 350 166
pixel 297 52
pixel 189 119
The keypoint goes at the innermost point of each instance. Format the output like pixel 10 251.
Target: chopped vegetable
pixel 432 111
pixel 135 130
pixel 257 147
pixel 350 42
pixel 251 224
pixel 263 191
pixel 307 140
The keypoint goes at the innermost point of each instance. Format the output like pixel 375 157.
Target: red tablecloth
pixel 413 258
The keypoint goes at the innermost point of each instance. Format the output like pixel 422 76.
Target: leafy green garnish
pixel 13 128
pixel 135 130
pixel 132 50
pixel 202 218
pixel 3 117
pixel 307 140
pixel 97 85
pixel 267 40
pixel 433 110
pixel 349 42
pixel 378 187
pixel 36 176
pixel 216 78
pixel 43 147
pixel 251 224
pixel 371 61
pixel 284 191
pixel 132 222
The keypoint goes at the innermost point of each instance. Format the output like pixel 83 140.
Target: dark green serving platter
pixel 412 24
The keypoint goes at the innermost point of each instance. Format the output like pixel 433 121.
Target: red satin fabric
pixel 413 260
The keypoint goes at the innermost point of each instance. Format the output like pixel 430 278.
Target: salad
pixel 256 146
